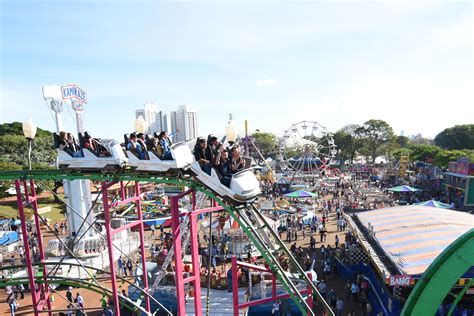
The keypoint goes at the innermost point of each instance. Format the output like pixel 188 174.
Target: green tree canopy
pixel 376 134
pixel 14 146
pixel 266 143
pixel 457 137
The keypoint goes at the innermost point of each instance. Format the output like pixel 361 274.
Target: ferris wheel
pixel 306 149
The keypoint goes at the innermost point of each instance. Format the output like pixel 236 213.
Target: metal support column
pixel 110 250
pixel 175 226
pixel 142 243
pixel 195 262
pixel 34 204
pixel 235 286
pixel 29 266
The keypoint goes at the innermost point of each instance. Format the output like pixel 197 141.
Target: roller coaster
pixel 250 219
pixel 183 171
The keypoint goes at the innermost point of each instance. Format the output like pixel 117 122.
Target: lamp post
pixel 29 130
pixel 140 125
pixel 230 132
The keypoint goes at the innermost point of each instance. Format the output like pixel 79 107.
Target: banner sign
pixel 400 280
pixel 74 92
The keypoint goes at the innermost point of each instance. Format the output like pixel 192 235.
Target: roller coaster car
pixel 182 158
pixel 244 187
pixel 111 157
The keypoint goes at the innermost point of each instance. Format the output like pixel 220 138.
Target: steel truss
pixel 250 220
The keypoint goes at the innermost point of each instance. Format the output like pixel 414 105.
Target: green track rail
pixel 260 235
pixel 437 281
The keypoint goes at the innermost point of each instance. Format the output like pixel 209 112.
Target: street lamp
pixel 29 130
pixel 140 125
pixel 230 132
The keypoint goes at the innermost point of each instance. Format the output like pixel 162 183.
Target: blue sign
pixel 74 92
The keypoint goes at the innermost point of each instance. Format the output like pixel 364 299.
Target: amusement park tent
pixel 300 194
pixel 403 188
pixel 412 236
pixel 436 204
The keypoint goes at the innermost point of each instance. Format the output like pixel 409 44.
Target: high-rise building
pixel 183 124
pixel 154 118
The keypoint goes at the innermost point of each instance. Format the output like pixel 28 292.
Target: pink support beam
pixel 175 226
pixel 24 233
pixel 110 249
pixel 207 210
pixel 34 204
pixel 126 201
pixel 274 297
pixel 195 261
pixel 142 244
pixel 235 286
pixel 125 227
pixel 122 191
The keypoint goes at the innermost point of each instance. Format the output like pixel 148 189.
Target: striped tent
pixel 413 236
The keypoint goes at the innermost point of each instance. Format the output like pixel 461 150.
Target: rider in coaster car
pixel 165 144
pixel 222 165
pixel 156 144
pixel 95 145
pixel 202 156
pixel 134 146
pixel 141 141
pixel 236 162
pixel 65 145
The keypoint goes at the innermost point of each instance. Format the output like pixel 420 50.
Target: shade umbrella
pixel 434 203
pixel 300 194
pixel 403 188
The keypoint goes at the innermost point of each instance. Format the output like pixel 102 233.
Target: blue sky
pixel 272 63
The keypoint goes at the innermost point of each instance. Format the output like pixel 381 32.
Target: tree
pixel 402 141
pixel 343 141
pixel 354 140
pixel 14 147
pixel 266 143
pixel 376 134
pixel 457 137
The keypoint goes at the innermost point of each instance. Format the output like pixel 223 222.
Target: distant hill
pixel 14 148
pixel 16 128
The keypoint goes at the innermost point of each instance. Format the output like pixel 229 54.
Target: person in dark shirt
pixel 223 167
pixel 134 146
pixel 165 144
pixel 202 156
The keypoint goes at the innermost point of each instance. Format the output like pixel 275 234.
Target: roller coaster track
pixel 81 283
pixel 248 217
pixel 437 281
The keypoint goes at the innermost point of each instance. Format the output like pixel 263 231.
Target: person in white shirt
pixel 79 300
pixel 276 308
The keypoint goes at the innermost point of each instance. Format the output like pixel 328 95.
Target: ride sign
pixel 74 92
pixel 399 280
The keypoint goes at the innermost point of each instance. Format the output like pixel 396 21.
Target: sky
pixel 271 63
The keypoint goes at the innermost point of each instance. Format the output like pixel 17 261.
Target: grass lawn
pixel 10 209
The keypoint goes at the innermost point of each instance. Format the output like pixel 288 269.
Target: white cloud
pixel 266 82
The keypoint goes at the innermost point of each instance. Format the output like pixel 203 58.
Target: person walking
pixel 276 308
pixel 69 295
pixel 129 266
pixel 339 306
pixel 21 288
pixel 103 302
pixel 13 304
pixel 355 292
pixel 152 228
pixel 121 266
pixel 79 300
